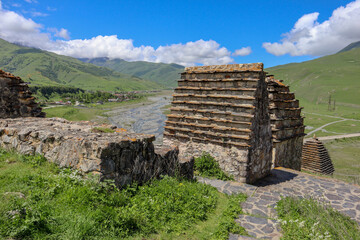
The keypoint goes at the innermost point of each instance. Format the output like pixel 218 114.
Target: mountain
pixel 49 69
pixel 313 81
pixel 164 74
pixel 350 46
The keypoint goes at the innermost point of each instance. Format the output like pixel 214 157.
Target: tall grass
pixel 40 201
pixel 309 219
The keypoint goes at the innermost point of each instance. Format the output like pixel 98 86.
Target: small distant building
pixel 315 157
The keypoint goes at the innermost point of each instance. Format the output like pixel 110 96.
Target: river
pixel 146 117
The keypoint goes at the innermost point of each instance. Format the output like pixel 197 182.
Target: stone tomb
pixel 223 110
pixel 16 99
pixel 315 157
pixel 287 125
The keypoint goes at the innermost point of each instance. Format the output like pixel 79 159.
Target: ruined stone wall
pixel 16 99
pixel 287 125
pixel 223 110
pixel 120 156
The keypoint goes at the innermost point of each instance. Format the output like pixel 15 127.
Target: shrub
pixel 227 222
pixel 207 166
pixel 308 219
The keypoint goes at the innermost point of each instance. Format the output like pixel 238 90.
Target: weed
pixel 207 166
pixel 227 222
pixel 102 130
pixel 62 204
pixel 308 219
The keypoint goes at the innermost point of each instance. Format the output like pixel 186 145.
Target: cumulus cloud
pixel 309 37
pixel 18 29
pixel 63 33
pixel 242 51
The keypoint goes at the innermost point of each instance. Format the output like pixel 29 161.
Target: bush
pixel 207 166
pixel 308 219
pixel 227 222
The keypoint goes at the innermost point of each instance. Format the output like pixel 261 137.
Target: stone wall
pixel 223 110
pixel 120 156
pixel 287 125
pixel 16 99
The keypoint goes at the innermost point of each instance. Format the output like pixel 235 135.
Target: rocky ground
pixel 260 218
pixel 147 118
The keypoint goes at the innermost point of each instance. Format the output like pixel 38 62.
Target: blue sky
pixel 185 32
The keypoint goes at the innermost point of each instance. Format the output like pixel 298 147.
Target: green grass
pixel 313 80
pixel 344 127
pixel 345 155
pixel 49 69
pixel 207 166
pixel 40 201
pixel 102 130
pixel 90 112
pixel 309 219
pixel 72 113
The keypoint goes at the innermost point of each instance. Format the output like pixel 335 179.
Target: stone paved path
pixel 260 218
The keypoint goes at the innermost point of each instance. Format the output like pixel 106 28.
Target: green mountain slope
pixel 350 46
pixel 313 81
pixel 45 68
pixel 164 74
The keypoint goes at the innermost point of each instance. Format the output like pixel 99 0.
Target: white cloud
pixel 309 37
pixel 31 1
pixel 63 33
pixel 242 51
pixel 38 14
pixel 18 29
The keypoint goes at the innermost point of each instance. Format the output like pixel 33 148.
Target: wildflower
pixel 301 224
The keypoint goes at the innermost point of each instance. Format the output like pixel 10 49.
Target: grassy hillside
pixel 164 74
pixel 350 46
pixel 314 81
pixel 45 68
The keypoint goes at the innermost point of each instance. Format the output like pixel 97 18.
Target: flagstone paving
pixel 260 215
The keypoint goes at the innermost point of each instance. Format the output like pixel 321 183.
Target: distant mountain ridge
pixel 161 73
pixel 49 69
pixel 350 47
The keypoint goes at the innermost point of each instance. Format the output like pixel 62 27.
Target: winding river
pixel 145 117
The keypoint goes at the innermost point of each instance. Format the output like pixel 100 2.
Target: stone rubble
pixel 16 99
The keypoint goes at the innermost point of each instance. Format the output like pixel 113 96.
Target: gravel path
pixel 350 135
pixel 260 218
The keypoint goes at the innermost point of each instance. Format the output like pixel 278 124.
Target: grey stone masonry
pixel 287 125
pixel 223 110
pixel 121 156
pixel 16 99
